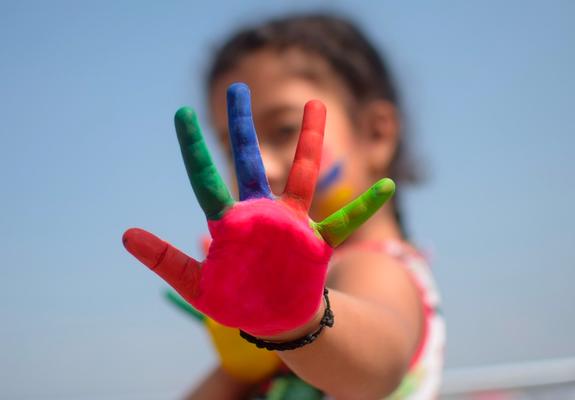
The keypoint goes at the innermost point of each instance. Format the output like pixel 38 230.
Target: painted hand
pixel 267 264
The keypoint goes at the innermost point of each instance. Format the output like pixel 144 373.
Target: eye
pixel 287 129
pixel 284 133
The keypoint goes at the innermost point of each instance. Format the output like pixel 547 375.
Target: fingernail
pixel 184 114
pixel 238 98
pixel 385 186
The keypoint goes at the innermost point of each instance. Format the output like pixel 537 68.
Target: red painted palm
pixel 267 263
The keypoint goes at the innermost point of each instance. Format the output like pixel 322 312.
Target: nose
pixel 275 170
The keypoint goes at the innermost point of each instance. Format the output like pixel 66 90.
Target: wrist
pixel 286 342
pixel 309 327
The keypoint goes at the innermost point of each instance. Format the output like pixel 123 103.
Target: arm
pixel 378 326
pixel 267 264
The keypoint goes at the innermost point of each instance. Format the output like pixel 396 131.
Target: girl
pixel 387 339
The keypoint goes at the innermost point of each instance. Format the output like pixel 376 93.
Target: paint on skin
pixel 251 175
pixel 333 198
pixel 329 169
pixel 331 192
pixel 266 267
pixel 330 177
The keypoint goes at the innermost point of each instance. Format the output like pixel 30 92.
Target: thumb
pixel 178 269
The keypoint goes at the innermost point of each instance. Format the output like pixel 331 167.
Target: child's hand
pixel 266 267
pixel 240 359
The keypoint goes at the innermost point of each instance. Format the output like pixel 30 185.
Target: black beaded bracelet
pixel 326 320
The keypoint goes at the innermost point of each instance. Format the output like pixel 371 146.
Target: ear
pixel 380 127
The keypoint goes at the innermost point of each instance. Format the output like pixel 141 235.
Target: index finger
pixel 211 191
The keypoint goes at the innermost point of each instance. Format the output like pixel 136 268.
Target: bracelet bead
pixel 326 321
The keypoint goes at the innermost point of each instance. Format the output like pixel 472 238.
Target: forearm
pixel 218 384
pixel 364 356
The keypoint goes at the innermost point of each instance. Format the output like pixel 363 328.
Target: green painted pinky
pixel 183 305
pixel 342 223
pixel 209 187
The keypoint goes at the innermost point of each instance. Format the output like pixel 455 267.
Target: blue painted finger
pixel 251 175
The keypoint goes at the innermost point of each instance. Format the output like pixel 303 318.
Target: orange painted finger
pixel 305 169
pixel 176 268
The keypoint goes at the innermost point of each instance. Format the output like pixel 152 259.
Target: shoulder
pixel 373 269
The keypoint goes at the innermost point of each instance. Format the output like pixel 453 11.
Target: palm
pixel 258 247
pixel 266 266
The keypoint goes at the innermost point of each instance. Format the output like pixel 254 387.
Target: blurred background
pixel 87 148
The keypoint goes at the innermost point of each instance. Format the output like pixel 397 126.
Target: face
pixel 280 90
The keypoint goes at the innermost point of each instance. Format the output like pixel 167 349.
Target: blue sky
pixel 87 149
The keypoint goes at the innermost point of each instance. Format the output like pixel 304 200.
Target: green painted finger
pixel 342 223
pixel 211 191
pixel 183 305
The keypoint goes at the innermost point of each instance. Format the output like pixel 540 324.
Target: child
pixel 387 339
